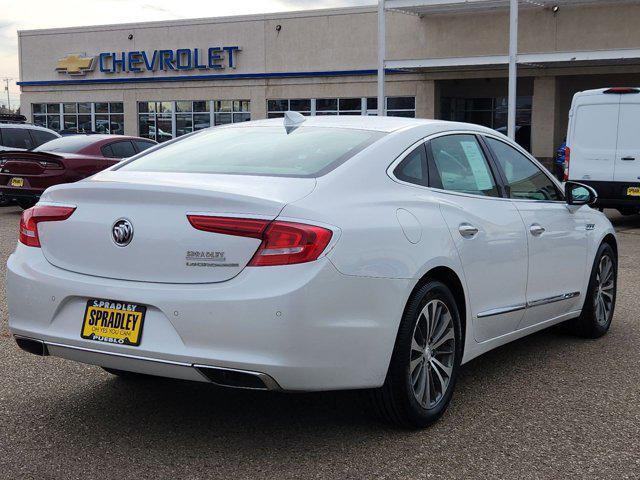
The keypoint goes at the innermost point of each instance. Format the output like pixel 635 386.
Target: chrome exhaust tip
pixel 36 347
pixel 232 378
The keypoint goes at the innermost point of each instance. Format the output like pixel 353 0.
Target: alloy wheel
pixel 605 286
pixel 432 355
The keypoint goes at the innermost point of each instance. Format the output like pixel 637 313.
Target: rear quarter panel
pixel 364 202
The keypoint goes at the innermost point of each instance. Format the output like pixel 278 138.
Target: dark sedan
pixel 25 175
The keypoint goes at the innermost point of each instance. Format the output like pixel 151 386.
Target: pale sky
pixel 31 14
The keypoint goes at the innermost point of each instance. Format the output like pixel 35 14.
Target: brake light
pixel 240 227
pixel 622 90
pixel 38 214
pixel 283 243
pixel 286 243
pixel 567 159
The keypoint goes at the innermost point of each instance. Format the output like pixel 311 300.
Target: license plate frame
pixel 17 182
pixel 110 319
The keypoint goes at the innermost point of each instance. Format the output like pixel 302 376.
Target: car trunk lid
pixel 164 246
pixel 29 163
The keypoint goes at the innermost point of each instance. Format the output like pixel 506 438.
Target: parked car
pixel 603 146
pixel 321 253
pixel 15 135
pixel 25 175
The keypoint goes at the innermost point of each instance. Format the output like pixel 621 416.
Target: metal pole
pixel 513 68
pixel 381 56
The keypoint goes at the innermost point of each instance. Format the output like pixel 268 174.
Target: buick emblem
pixel 122 232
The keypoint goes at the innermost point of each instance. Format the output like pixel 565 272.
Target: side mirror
pixel 579 194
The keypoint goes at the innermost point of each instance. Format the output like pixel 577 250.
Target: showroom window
pixel 99 117
pixel 163 121
pixel 396 106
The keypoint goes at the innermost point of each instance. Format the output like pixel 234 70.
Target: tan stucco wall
pixel 339 40
pixel 543 116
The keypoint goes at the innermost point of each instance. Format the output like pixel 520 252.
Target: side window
pixel 524 179
pixel 40 137
pixel 107 151
pixel 141 145
pixel 413 169
pixel 460 166
pixel 16 138
pixel 122 149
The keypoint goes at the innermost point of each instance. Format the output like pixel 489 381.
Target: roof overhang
pixel 541 60
pixel 426 7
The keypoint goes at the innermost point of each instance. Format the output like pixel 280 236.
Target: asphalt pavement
pixel 547 406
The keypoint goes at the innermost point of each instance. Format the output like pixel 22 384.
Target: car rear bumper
pixel 614 194
pixel 300 327
pixel 20 193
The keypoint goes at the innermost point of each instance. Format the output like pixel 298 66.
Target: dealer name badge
pixel 207 258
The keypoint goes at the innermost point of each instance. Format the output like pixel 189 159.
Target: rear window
pixel 70 144
pixel 16 138
pixel 40 136
pixel 274 151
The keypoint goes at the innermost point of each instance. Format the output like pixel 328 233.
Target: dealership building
pixel 444 59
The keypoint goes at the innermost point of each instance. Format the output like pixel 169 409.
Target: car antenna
pixel 292 120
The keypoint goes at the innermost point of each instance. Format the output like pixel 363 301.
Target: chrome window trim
pixel 410 149
pixel 533 160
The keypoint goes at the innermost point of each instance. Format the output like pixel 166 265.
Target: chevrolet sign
pixel 181 59
pixel 75 64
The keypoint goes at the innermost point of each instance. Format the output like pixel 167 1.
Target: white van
pixel 603 146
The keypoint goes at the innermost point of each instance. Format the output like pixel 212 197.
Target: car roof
pixel 104 137
pixel 25 125
pixel 383 124
pixel 598 91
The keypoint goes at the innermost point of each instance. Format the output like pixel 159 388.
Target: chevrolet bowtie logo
pixel 75 64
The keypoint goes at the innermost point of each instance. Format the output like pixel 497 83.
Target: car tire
pixel 404 400
pixel 126 375
pixel 600 300
pixel 26 204
pixel 628 211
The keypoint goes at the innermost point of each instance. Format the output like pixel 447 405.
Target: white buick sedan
pixel 304 254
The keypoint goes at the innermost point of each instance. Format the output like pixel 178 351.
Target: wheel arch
pixel 610 240
pixel 452 280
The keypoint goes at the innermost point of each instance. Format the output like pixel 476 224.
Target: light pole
pixel 513 69
pixel 381 54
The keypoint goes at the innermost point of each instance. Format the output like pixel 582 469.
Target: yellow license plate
pixel 17 182
pixel 633 191
pixel 113 321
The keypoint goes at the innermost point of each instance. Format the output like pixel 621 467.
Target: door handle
pixel 467 230
pixel 628 159
pixel 536 230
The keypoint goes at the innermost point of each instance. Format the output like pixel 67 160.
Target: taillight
pixel 38 214
pixel 240 227
pixel 283 243
pixel 286 243
pixel 567 159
